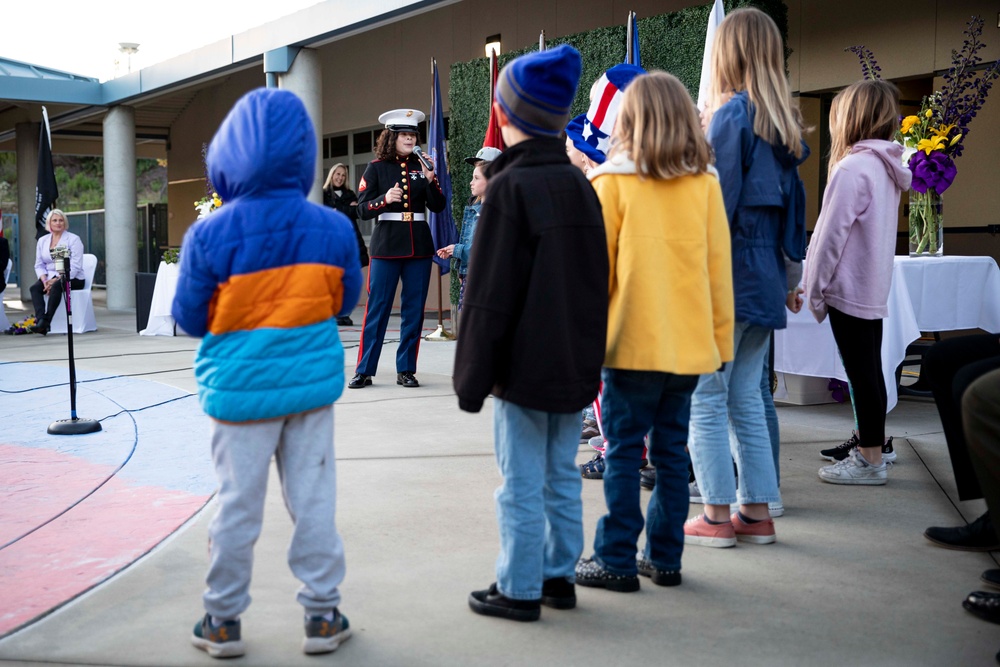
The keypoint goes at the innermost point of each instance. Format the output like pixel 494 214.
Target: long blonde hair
pixel 748 55
pixel 864 110
pixel 333 170
pixel 658 128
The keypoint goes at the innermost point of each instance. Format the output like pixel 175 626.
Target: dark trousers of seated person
pixel 981 420
pixel 950 366
pixel 860 344
pixel 55 296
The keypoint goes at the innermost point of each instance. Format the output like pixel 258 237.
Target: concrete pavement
pixel 850 580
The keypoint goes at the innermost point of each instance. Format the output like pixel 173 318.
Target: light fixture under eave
pixel 493 43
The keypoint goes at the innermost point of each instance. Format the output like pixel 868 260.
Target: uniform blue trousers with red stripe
pixel 383 277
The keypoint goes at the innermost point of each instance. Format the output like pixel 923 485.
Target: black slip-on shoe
pixel 491 602
pixel 558 593
pixel 659 577
pixel 977 536
pixel 359 381
pixel 406 379
pixel 592 574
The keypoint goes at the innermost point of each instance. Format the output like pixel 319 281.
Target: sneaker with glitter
pixel 761 532
pixel 219 641
pixel 323 636
pixel 855 469
pixel 592 574
pixel 704 534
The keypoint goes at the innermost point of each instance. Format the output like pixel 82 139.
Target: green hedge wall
pixel 673 42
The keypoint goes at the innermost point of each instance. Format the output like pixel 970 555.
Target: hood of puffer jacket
pixel 265 145
pixel 891 155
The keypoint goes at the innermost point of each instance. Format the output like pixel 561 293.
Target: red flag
pixel 493 137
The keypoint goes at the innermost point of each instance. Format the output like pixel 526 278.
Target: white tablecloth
pixel 927 294
pixel 161 323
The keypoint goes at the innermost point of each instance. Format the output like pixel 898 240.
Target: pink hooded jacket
pixel 849 260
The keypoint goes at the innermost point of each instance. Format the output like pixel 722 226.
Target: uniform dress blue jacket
pixel 765 203
pixel 263 278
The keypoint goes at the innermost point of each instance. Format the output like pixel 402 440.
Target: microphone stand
pixel 74 425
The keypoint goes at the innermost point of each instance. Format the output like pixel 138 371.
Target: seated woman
pixel 339 197
pixel 47 272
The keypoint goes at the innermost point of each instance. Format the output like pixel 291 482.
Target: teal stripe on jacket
pixel 269 373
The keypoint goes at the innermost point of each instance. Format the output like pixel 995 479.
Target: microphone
pixel 423 158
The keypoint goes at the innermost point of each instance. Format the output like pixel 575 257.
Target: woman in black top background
pixel 338 196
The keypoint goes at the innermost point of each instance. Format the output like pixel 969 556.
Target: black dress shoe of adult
pixel 359 381
pixel 558 593
pixel 977 536
pixel 406 379
pixel 991 578
pixel 345 321
pixel 41 328
pixel 491 602
pixel 984 605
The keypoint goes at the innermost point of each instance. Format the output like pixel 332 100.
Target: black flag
pixel 46 191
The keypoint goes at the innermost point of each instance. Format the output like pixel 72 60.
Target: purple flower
pixel 936 171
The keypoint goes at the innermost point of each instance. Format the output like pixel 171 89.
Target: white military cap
pixel 402 120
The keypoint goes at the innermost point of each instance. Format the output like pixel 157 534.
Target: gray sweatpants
pixel 302 447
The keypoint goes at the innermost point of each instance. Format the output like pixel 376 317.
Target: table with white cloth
pixel 161 322
pixel 927 294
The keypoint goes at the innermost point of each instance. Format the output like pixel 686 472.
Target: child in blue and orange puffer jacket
pixel 263 280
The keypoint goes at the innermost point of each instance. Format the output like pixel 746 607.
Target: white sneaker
pixel 775 509
pixel 855 469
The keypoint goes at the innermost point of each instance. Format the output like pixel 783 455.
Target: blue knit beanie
pixel 537 89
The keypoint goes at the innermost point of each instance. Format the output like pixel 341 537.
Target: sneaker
pixel 702 533
pixel 776 509
pixel 491 602
pixel 589 431
pixel 594 468
pixel 558 593
pixel 977 536
pixel 695 494
pixel 592 574
pixel 761 532
pixel 647 478
pixel 855 469
pixel 219 641
pixel 659 577
pixel 323 636
pixel 841 451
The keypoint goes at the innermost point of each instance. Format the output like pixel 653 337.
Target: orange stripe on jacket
pixel 280 298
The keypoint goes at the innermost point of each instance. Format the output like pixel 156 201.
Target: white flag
pixel 714 19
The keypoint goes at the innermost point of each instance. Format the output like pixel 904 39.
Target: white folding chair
pixel 4 322
pixel 83 306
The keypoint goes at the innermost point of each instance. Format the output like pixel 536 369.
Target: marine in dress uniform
pixel 395 191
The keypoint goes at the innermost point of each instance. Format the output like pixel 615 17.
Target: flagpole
pixel 628 39
pixel 440 333
pixel 541 41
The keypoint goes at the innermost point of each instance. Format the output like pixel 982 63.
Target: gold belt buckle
pixel 407 216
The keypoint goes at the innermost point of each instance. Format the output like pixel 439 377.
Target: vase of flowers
pixel 934 137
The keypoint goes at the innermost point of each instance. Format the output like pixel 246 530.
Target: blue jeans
pixel 731 398
pixel 539 511
pixel 771 416
pixel 636 403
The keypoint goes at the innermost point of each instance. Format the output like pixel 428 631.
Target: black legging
pixel 950 366
pixel 860 345
pixel 55 296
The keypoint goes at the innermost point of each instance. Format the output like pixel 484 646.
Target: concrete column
pixel 120 236
pixel 27 174
pixel 305 79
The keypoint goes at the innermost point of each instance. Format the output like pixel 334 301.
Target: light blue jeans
pixel 539 511
pixel 731 399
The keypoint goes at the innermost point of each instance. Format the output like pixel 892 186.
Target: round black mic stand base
pixel 74 427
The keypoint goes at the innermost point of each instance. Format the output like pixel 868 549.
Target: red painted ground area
pixel 86 545
pixel 37 484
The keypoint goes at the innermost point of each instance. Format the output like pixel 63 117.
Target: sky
pixel 83 37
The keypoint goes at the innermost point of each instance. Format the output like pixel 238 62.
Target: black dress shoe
pixel 977 536
pixel 345 321
pixel 984 605
pixel 359 381
pixel 493 603
pixel 991 578
pixel 406 379
pixel 558 593
pixel 41 328
pixel 647 478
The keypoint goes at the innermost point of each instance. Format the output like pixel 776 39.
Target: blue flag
pixel 443 230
